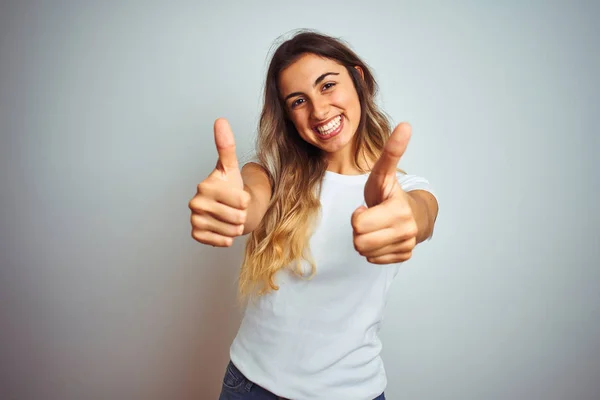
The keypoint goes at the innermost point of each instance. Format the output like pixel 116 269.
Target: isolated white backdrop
pixel 106 113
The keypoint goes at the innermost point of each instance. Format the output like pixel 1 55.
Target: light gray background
pixel 106 114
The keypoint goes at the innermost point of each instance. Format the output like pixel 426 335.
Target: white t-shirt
pixel 318 338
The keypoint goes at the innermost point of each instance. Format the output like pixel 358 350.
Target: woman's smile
pixel 330 129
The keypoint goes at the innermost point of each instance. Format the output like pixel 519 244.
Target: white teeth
pixel 330 126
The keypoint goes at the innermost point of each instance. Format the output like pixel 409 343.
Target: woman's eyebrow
pixel 317 81
pixel 320 78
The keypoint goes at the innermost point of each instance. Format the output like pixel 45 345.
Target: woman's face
pixel 322 102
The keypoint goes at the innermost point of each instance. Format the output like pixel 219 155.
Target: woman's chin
pixel 335 145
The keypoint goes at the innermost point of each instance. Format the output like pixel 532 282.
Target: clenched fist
pixel 219 208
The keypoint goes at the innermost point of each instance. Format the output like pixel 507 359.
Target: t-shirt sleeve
pixel 413 182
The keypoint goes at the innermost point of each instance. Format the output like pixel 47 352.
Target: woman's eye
pixel 328 85
pixel 297 103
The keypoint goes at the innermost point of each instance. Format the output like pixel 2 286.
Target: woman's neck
pixel 347 165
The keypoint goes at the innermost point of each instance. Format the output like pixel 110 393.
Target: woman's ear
pixel 360 71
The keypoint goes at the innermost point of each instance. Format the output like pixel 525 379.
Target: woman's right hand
pixel 220 206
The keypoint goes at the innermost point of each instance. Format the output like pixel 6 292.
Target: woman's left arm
pixel 425 209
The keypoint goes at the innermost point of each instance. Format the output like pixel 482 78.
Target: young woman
pixel 330 220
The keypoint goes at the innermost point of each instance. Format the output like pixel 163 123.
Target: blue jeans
pixel 237 387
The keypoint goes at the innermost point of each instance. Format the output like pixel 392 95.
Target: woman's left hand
pixel 386 231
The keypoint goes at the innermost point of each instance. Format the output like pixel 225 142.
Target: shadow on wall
pixel 216 319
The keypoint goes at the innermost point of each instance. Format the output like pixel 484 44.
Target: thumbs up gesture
pixel 220 205
pixel 386 231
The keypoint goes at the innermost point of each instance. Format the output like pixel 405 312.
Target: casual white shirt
pixel 318 338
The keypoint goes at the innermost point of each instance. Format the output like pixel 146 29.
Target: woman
pixel 330 220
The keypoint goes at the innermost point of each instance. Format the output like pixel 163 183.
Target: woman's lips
pixel 332 134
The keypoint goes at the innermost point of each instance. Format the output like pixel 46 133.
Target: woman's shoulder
pixel 410 182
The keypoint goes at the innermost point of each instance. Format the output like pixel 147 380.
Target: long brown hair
pixel 296 168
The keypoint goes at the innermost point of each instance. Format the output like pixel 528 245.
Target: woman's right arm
pixel 258 186
pixel 229 202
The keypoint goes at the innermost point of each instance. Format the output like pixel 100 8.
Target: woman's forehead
pixel 306 69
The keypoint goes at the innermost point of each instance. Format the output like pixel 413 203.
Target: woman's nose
pixel 320 109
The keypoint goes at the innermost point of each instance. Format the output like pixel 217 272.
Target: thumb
pixel 225 143
pixel 394 150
